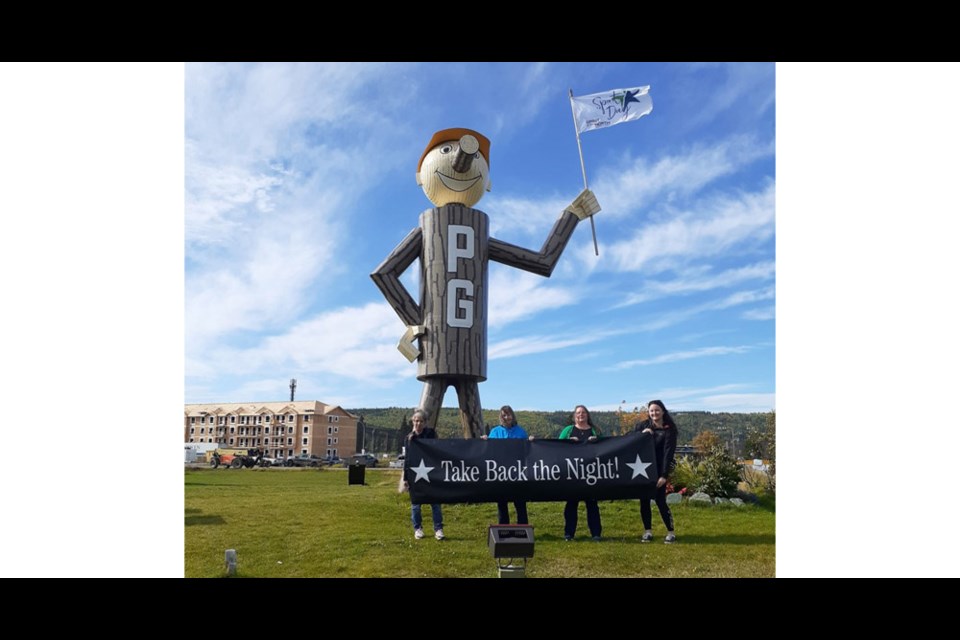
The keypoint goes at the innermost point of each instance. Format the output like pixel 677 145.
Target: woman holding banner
pixel 420 430
pixel 582 430
pixel 661 426
pixel 509 429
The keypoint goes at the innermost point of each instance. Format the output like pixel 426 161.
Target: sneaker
pixel 418 534
pixel 647 537
pixel 670 539
pixel 438 534
pixel 568 538
pixel 595 538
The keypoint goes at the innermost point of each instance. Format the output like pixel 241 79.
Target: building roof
pixel 253 408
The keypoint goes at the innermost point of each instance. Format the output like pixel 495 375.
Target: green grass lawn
pixel 311 523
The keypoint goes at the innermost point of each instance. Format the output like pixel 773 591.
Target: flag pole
pixel 583 168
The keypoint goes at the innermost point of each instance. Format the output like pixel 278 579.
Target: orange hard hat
pixel 455 134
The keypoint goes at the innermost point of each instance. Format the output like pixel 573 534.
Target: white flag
pixel 600 110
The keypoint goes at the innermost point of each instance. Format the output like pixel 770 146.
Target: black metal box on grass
pixel 356 473
pixel 511 540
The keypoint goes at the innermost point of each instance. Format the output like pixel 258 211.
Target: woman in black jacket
pixel 664 431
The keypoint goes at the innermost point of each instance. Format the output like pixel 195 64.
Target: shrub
pixel 684 476
pixel 718 474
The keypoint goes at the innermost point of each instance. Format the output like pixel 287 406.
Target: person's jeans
pixel 503 512
pixel 417 516
pixel 646 514
pixel 570 518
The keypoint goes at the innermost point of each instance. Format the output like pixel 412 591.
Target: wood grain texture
pixel 448 349
pixel 542 262
pixel 468 395
pixel 387 277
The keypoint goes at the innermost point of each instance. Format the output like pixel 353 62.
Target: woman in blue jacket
pixel 509 429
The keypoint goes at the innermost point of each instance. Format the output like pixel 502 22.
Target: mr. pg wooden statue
pixel 454 246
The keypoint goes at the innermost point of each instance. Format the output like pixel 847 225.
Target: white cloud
pixel 257 283
pixel 700 279
pixel 672 396
pixel 631 186
pixel 765 313
pixel 515 295
pixel 538 344
pixel 527 217
pixel 679 355
pixel 247 111
pixel 748 87
pixel 528 96
pixel 635 183
pixel 267 188
pixel 713 228
pixel 742 297
pixel 356 342
pixel 738 402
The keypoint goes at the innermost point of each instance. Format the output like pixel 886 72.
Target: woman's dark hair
pixel 589 419
pixel 667 418
pixel 513 414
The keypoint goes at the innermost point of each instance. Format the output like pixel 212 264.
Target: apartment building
pixel 283 429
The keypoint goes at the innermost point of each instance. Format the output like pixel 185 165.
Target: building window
pixel 329 430
pixel 191 430
pixel 193 421
pixel 329 441
pixel 266 419
pixel 334 441
pixel 266 441
pixel 303 451
pixel 306 418
pixel 304 441
pixel 306 428
pixel 290 441
pixel 291 417
pixel 233 419
pixel 231 441
pixel 191 439
pixel 201 430
pixel 266 430
pixel 336 429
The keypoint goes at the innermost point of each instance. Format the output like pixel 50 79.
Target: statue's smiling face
pixel 445 185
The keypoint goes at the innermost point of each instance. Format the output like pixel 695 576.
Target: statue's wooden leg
pixel 471 417
pixel 432 399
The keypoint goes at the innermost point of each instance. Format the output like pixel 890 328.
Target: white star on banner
pixel 423 470
pixel 639 468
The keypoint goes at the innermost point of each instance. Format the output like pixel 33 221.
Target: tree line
pixel 734 430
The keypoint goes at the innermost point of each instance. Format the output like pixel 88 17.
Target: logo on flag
pixel 611 107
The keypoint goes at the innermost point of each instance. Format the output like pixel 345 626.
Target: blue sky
pixel 300 180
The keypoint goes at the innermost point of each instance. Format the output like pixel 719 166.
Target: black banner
pixel 446 471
